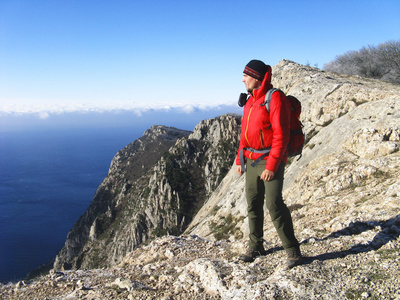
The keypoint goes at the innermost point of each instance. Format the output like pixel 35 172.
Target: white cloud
pixel 188 109
pixel 45 111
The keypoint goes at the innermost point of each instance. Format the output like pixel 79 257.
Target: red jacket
pixel 261 129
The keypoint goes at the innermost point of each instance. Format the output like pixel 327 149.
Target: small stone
pixel 365 295
pixel 20 284
pixel 170 254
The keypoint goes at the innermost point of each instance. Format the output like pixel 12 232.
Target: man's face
pixel 251 83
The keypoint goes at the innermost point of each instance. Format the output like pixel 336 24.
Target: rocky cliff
pixel 154 187
pixel 343 194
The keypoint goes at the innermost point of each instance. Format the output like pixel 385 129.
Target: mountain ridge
pixel 344 195
pixel 154 187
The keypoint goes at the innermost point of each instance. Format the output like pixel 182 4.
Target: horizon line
pixel 45 111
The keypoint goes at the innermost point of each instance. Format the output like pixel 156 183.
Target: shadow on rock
pixel 389 231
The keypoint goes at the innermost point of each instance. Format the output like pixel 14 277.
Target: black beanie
pixel 256 69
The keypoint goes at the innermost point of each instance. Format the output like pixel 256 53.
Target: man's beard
pixel 249 90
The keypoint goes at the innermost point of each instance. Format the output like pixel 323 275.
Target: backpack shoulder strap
pixel 267 100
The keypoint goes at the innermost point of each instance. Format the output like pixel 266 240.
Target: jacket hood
pixel 265 85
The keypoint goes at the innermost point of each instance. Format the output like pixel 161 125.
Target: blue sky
pixel 60 55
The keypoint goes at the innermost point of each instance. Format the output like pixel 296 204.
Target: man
pixel 263 149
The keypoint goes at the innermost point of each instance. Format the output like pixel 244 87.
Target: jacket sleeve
pixel 280 124
pixel 241 143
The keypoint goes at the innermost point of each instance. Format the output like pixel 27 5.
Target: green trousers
pixel 256 190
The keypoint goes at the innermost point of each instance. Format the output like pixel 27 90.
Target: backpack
pixel 297 136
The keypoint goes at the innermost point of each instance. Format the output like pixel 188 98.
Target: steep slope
pixel 154 187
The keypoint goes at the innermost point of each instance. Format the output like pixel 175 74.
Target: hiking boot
pixel 251 255
pixel 294 258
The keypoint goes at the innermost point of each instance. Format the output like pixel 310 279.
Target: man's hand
pixel 267 175
pixel 239 170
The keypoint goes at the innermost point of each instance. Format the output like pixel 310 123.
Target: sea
pixel 50 170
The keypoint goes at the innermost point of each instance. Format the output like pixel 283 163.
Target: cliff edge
pixel 344 194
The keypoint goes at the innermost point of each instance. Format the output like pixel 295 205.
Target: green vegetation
pixel 388 253
pixel 226 227
pixel 158 231
pixel 379 62
pixel 353 294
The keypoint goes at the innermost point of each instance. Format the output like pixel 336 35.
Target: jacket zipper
pixel 262 139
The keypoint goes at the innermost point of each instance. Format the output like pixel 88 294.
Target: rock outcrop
pixel 344 194
pixel 352 154
pixel 154 187
pixel 358 262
